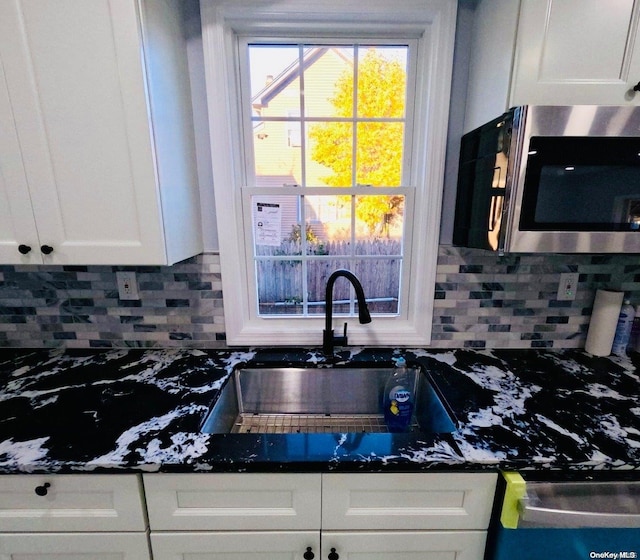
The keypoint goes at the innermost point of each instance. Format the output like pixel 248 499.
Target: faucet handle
pixel 341 340
pixel 329 340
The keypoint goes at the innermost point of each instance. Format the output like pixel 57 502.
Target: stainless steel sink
pixel 318 400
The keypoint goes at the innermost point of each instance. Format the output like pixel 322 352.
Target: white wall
pixel 193 31
pixel 461 57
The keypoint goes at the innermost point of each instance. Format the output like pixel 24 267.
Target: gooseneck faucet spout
pixel 328 339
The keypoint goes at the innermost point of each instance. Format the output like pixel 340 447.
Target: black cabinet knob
pixel 636 87
pixel 43 490
pixel 46 249
pixel 309 555
pixel 24 249
pixel 333 555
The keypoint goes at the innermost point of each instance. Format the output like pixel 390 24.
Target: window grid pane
pixel 329 107
pixel 292 268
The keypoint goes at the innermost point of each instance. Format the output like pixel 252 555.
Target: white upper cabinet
pixel 575 52
pixel 97 156
pixel 17 225
pixel 552 52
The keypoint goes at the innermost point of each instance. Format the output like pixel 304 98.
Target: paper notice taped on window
pixel 267 223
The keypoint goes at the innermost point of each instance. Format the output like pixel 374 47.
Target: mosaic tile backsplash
pixel 78 306
pixel 482 300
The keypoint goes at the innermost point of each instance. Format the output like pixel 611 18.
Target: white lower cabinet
pixel 76 546
pixel 232 502
pixel 407 501
pixel 286 545
pixel 405 545
pixel 249 545
pixel 319 516
pixel 84 517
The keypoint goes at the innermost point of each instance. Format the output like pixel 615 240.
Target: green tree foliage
pixel 381 94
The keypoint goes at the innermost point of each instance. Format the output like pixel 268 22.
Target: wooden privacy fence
pixel 375 263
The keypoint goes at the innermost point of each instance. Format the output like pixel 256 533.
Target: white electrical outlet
pixel 127 285
pixel 568 286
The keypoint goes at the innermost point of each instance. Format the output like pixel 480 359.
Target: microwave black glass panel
pixel 582 184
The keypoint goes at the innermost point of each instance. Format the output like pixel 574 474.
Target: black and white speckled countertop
pixel 141 410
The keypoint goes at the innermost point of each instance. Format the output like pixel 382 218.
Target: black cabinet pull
pixel 309 555
pixel 43 490
pixel 636 87
pixel 24 249
pixel 47 249
pixel 333 555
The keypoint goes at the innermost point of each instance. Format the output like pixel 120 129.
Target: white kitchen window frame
pixel 429 22
pixel 297 191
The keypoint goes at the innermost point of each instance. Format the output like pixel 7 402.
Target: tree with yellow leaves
pixel 381 84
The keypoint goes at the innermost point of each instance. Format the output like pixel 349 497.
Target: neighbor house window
pixel 294 136
pixel 327 154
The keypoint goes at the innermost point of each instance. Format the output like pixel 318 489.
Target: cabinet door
pixel 79 546
pixel 413 545
pixel 405 501
pixel 572 52
pixel 279 545
pixel 76 85
pixel 17 226
pixel 39 503
pixel 233 502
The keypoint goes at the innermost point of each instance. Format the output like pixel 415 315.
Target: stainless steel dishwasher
pixel 569 520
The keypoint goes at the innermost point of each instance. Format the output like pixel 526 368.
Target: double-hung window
pixel 328 130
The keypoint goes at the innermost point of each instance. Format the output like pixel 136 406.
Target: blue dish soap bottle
pixel 398 399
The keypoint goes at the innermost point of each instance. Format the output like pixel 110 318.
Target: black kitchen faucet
pixel 328 338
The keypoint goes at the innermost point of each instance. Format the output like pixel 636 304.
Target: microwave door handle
pixel 495 207
pixel 536 514
pixel 493 215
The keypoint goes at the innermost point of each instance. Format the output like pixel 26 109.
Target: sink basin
pixel 318 400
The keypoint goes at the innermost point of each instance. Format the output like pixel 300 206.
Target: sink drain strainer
pixel 308 423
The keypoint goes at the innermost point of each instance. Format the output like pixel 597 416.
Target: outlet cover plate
pixel 568 286
pixel 127 285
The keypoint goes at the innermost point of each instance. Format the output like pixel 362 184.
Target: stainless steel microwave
pixel 552 179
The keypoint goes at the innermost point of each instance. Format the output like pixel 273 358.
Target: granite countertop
pixel 141 410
